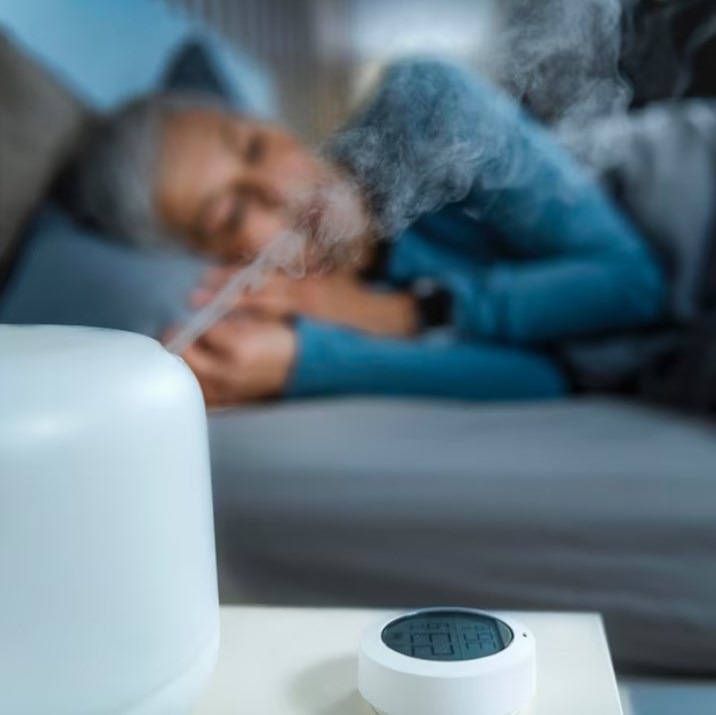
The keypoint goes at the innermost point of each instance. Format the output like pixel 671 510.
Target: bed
pixel 587 504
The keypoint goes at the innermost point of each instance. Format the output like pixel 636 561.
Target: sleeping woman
pixel 466 250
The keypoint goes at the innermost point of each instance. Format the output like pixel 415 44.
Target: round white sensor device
pixel 448 661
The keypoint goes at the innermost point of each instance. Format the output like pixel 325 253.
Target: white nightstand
pixel 295 661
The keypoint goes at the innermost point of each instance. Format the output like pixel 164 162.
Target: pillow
pixel 69 275
pixel 66 275
pixel 39 121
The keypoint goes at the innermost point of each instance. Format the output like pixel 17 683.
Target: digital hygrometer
pixel 448 661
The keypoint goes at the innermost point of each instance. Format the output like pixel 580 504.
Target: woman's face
pixel 230 185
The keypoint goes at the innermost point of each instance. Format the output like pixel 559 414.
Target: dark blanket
pixel 660 165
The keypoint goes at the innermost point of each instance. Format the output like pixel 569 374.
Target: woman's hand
pixel 242 361
pixel 336 298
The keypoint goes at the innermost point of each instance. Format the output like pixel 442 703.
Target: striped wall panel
pixel 290 37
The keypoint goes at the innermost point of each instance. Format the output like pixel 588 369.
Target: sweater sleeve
pixel 434 134
pixel 333 360
pixel 582 272
pixel 577 266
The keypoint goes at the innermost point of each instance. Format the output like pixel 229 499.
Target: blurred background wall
pixel 98 46
pixel 323 52
pixel 110 50
pixel 320 52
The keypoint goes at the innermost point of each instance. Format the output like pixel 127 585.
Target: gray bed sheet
pixel 584 504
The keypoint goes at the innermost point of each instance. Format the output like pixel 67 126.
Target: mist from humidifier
pixel 432 134
pixel 561 58
pixel 283 253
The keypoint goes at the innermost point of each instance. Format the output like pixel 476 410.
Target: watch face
pixel 447 635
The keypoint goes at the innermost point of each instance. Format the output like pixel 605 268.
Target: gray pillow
pixel 39 121
pixel 67 275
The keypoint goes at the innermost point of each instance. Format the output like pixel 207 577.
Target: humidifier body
pixel 108 595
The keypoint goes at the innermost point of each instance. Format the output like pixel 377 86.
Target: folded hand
pixel 242 360
pixel 335 298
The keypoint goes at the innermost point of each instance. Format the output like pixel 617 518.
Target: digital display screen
pixel 447 635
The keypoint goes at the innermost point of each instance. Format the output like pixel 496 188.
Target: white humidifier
pixel 108 597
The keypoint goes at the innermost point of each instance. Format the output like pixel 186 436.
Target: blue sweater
pixel 534 253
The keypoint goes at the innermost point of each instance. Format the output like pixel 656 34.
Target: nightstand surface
pixel 299 661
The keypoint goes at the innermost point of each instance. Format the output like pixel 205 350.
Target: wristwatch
pixel 433 303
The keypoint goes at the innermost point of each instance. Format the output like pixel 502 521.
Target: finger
pixel 205 364
pixel 222 338
pixel 214 283
pixel 267 306
pixel 211 389
pixel 212 394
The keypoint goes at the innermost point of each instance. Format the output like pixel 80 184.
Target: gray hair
pixel 113 181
